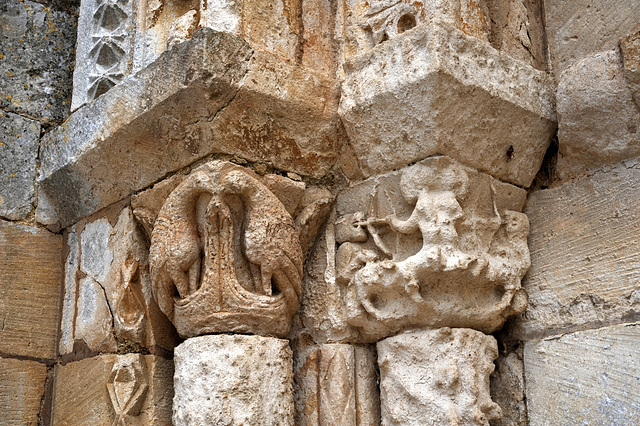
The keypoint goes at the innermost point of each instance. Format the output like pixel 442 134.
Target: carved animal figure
pixel 270 239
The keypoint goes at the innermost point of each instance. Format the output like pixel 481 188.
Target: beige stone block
pixel 579 28
pixel 584 247
pixel 233 379
pixel 22 386
pixel 598 120
pixel 230 100
pixel 435 90
pixel 437 377
pixel 587 377
pixel 336 384
pixel 125 389
pixel 630 47
pixel 108 301
pixel 30 290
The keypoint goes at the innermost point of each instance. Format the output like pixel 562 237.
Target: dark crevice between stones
pixel 45 416
pixel 547 176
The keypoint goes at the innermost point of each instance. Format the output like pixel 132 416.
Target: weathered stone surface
pixel 18 151
pixel 507 389
pixel 30 286
pixel 588 377
pixel 228 100
pixel 630 48
pixel 434 244
pixel 36 59
pixel 233 379
pixel 579 28
pixel 434 89
pixel 114 389
pixel 108 299
pixel 598 121
pixel 336 384
pixel 21 391
pixel 437 377
pixel 584 253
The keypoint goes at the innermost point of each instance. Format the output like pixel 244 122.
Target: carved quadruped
pixel 226 254
pixel 439 244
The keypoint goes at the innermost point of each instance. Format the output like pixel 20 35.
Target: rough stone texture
pixel 588 377
pixel 584 253
pixel 437 377
pixel 108 299
pixel 435 244
pixel 21 391
pixel 507 389
pixel 18 151
pixel 630 48
pixel 579 28
pixel 36 59
pixel 229 100
pixel 30 286
pixel 434 89
pixel 130 389
pixel 598 121
pixel 336 384
pixel 233 379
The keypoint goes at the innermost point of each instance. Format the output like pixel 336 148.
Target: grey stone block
pixel 36 59
pixel 18 151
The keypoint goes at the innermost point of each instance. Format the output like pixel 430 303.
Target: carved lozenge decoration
pixel 436 244
pixel 225 255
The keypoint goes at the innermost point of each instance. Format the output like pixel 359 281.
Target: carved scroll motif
pixel 226 254
pixel 437 247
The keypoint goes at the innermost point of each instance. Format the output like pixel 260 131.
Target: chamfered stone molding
pixel 226 252
pixel 30 287
pixel 434 89
pixel 336 384
pixel 229 99
pixel 587 377
pixel 233 379
pixel 131 389
pixel 598 120
pixel 432 245
pixel 22 386
pixel 585 262
pixel 579 28
pixel 437 377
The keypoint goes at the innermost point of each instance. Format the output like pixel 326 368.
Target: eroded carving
pixel 439 245
pixel 127 386
pixel 226 254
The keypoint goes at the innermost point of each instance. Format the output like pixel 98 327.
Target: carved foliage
pixel 438 245
pixel 226 253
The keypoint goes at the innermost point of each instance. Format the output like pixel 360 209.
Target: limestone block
pixel 584 253
pixel 336 384
pixel 18 151
pixel 130 389
pixel 434 244
pixel 630 47
pixel 108 300
pixel 22 386
pixel 507 389
pixel 30 287
pixel 598 121
pixel 587 377
pixel 36 62
pixel 437 377
pixel 233 379
pixel 434 89
pixel 579 28
pixel 228 100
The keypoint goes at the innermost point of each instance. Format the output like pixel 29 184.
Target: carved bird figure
pixel 270 240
